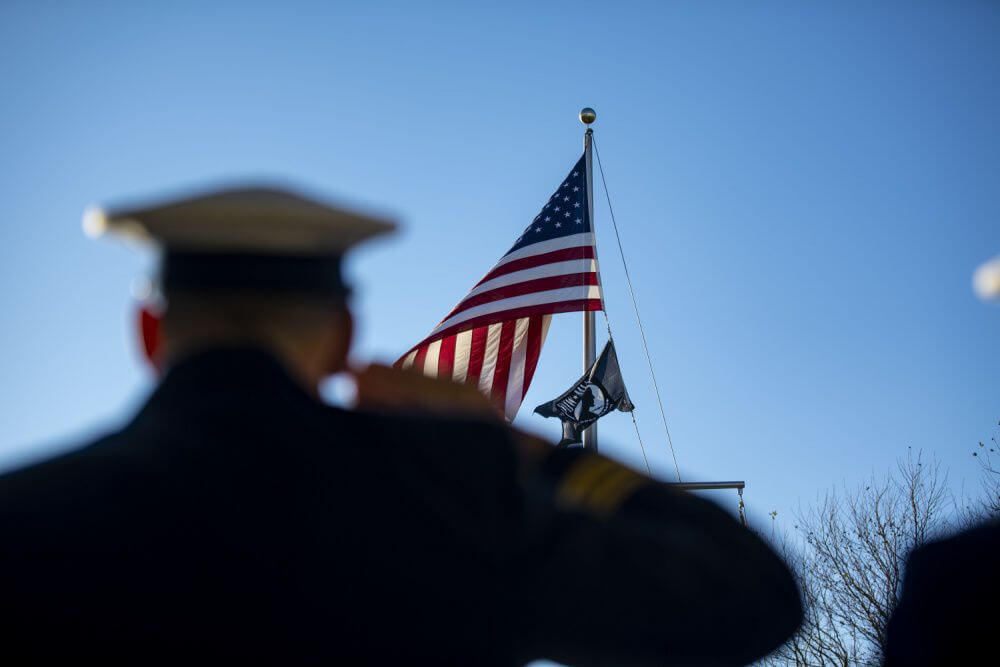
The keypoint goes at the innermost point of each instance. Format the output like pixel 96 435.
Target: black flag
pixel 600 391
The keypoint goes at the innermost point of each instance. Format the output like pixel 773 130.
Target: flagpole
pixel 588 116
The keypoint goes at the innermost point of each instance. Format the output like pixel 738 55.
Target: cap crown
pixel 262 220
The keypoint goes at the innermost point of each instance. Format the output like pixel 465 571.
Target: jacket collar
pixel 216 377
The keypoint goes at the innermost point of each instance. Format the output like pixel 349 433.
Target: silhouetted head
pixel 247 266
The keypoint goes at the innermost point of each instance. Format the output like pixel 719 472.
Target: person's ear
pixel 150 323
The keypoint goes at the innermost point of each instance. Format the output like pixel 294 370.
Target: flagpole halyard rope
pixel 639 438
pixel 635 424
pixel 638 320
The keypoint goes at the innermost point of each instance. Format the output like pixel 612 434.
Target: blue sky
pixel 803 192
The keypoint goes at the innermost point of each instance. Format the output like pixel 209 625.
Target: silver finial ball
pixel 587 115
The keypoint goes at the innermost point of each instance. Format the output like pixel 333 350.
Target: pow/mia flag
pixel 600 391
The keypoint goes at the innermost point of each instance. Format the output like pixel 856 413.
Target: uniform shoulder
pixel 465 447
pixel 424 429
pixel 72 472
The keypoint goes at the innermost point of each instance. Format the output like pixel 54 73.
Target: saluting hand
pixel 385 389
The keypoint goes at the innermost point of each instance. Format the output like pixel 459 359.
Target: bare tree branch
pixel 848 554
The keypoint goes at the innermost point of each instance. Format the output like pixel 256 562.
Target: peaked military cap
pixel 243 238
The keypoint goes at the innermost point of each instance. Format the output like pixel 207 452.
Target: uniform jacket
pixel 238 518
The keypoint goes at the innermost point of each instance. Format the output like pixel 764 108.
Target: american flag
pixel 493 337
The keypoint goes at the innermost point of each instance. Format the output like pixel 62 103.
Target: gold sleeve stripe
pixel 580 478
pixel 612 490
pixel 598 485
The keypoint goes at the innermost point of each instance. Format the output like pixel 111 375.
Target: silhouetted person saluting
pixel 237 518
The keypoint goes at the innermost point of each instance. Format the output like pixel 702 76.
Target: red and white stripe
pixel 494 336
